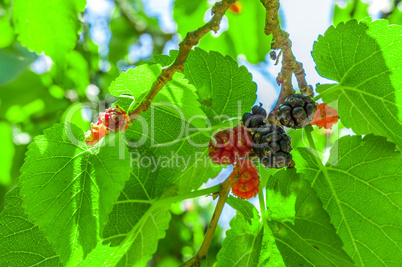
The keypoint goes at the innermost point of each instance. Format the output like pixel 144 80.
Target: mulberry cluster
pixel 297 111
pixel 232 146
pixel 112 120
pixel 268 142
pixel 229 145
pixel 272 146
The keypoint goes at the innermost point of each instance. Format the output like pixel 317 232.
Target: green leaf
pixel 138 246
pixel 224 89
pixel 7 153
pixel 265 173
pixel 137 221
pixel 177 94
pixel 48 26
pixel 146 242
pixel 323 138
pixel 244 207
pixel 179 143
pixel 69 190
pixel 177 151
pixel 301 227
pixel 154 169
pixel 365 59
pixel 21 241
pixel 360 189
pixel 7 32
pixel 245 243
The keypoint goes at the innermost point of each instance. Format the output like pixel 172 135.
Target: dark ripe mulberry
pixel 272 146
pixel 297 111
pixel 259 110
pixel 246 119
pixel 256 118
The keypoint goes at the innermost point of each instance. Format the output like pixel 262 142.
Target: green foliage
pixel 6 157
pixel 110 204
pixel 301 227
pixel 364 58
pixel 123 36
pixel 395 17
pixel 245 35
pixel 359 187
pixel 57 38
pixel 224 89
pixel 245 243
pixel 14 60
pixel 27 100
pixel 181 154
pixel 7 32
pixel 354 9
pixel 177 95
pixel 183 11
pixel 21 241
pixel 145 244
pixel 69 190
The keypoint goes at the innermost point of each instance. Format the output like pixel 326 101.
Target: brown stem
pixel 192 39
pixel 281 41
pixel 223 195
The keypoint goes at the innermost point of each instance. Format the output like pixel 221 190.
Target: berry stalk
pixel 223 195
pixel 281 41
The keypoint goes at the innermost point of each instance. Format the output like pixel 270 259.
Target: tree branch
pixel 223 195
pixel 192 39
pixel 281 41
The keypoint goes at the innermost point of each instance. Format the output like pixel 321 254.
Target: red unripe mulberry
pixel 112 120
pixel 227 146
pixel 245 180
